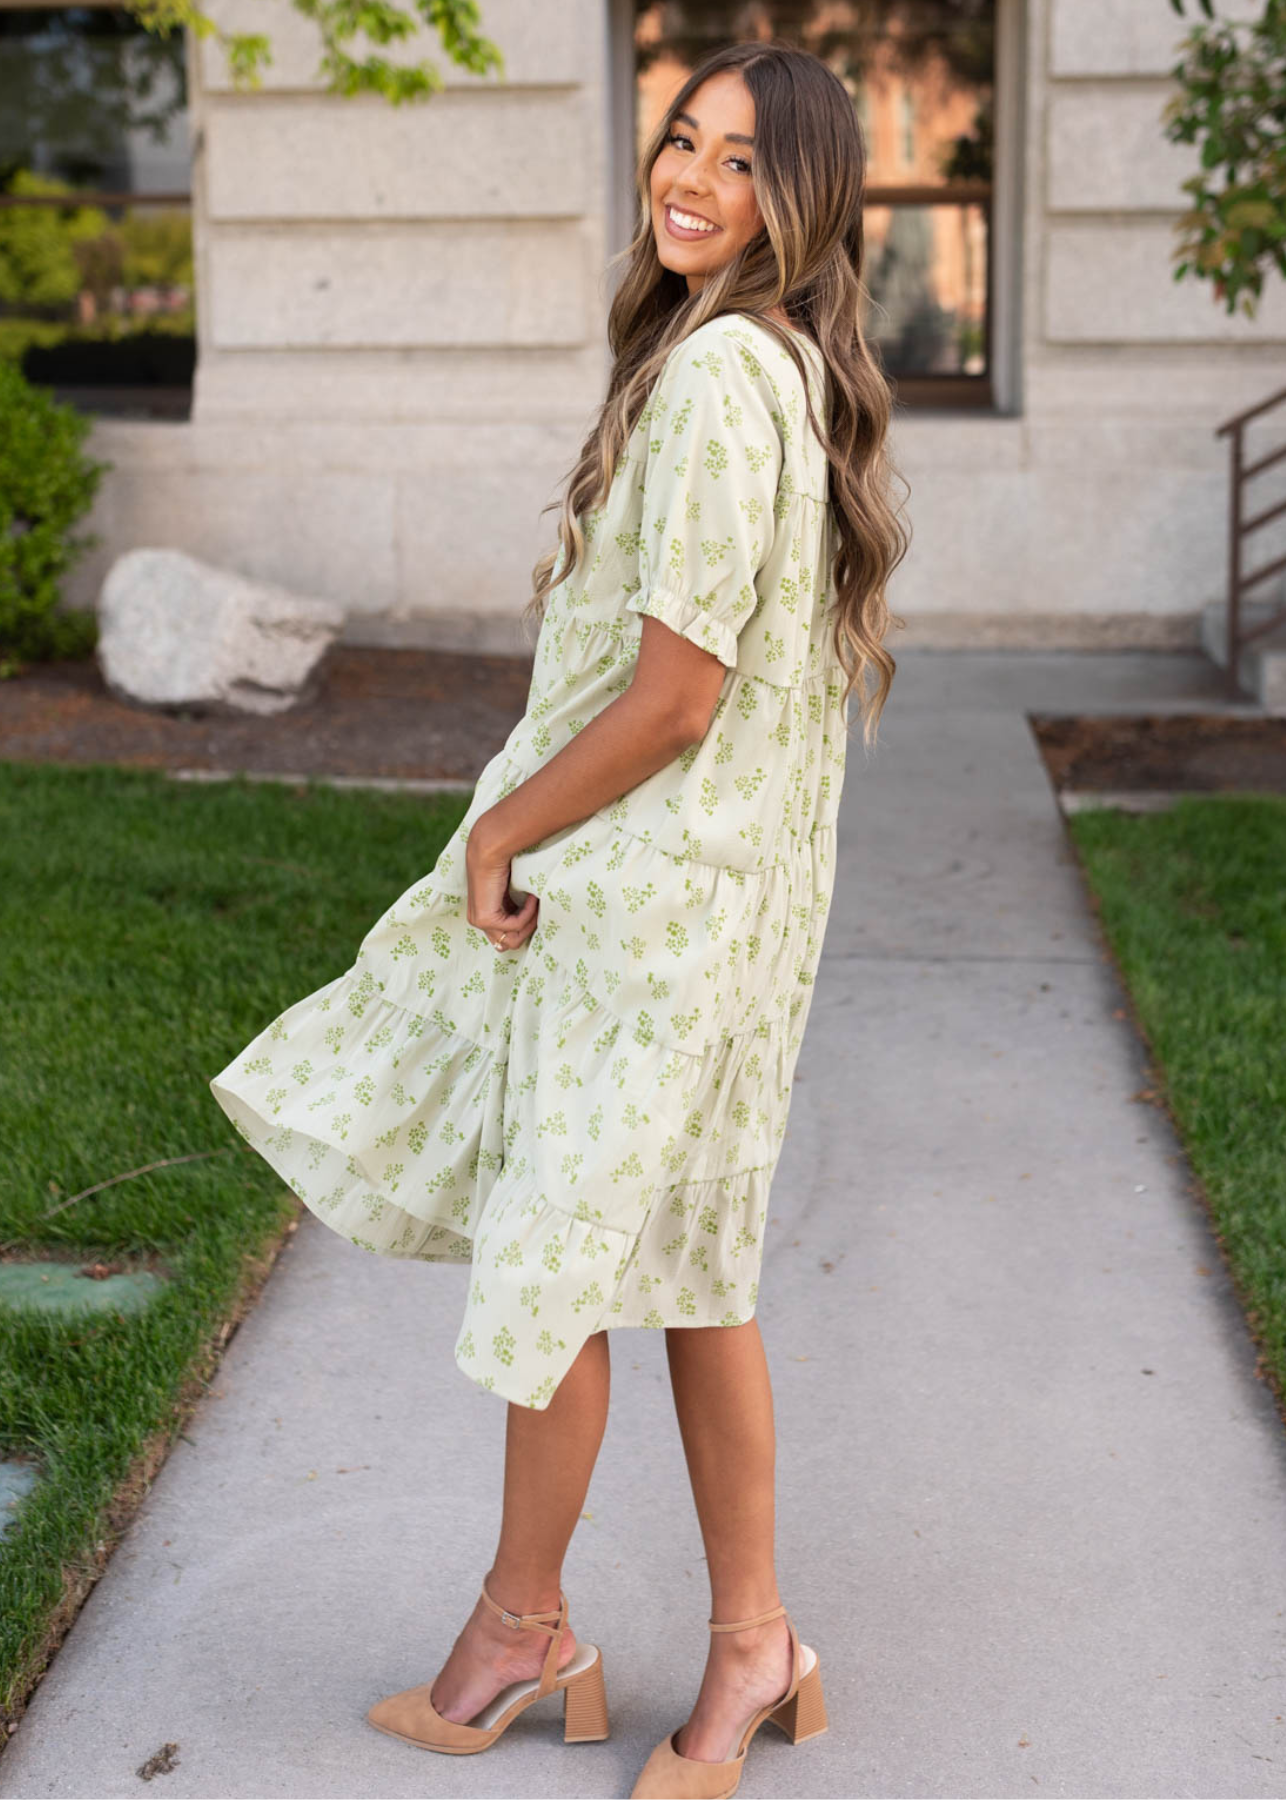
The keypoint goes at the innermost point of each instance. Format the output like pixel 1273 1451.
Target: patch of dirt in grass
pixel 401 713
pixel 79 1578
pixel 1192 753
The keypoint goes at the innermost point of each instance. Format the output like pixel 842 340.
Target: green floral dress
pixel 592 1120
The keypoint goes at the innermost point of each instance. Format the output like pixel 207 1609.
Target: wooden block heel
pixel 800 1713
pixel 412 1716
pixel 804 1714
pixel 585 1706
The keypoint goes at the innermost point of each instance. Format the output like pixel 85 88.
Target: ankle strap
pixel 537 1622
pixel 530 1621
pixel 741 1624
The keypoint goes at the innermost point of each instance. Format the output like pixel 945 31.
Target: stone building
pixel 400 320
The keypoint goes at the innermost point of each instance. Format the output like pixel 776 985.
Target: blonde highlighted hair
pixel 809 175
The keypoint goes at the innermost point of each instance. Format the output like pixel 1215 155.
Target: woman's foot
pixel 744 1671
pixel 488 1655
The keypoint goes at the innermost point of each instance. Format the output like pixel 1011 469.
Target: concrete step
pixel 1261 667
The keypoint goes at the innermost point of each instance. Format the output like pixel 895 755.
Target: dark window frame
pixel 955 392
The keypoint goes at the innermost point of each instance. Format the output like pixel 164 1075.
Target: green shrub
pixel 46 483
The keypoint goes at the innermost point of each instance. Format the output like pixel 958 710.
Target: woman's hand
pixel 491 907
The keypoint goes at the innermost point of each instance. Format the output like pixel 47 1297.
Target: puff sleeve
pixel 711 470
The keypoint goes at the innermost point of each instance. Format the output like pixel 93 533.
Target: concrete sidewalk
pixel 1032 1501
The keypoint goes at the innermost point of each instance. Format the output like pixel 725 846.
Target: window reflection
pixel 96 277
pixel 921 77
pixel 926 273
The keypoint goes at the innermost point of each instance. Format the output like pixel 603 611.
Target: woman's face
pixel 703 173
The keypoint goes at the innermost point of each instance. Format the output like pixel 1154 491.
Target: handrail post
pixel 1234 563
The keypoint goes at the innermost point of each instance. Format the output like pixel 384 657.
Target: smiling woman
pixel 592 1118
pixel 705 175
pixel 922 76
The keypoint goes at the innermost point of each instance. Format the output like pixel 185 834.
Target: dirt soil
pixel 1193 753
pixel 436 713
pixel 409 713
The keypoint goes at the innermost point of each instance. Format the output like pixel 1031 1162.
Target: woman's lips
pixel 686 234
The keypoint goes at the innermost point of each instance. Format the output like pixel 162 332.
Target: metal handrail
pixel 1240 528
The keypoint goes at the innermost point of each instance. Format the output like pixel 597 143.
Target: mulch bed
pixel 404 713
pixel 1190 753
pixel 425 714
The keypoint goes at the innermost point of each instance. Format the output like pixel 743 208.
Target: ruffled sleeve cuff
pixel 689 620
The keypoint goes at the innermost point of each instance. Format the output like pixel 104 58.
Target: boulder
pixel 176 632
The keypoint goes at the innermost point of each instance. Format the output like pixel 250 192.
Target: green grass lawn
pixel 1194 906
pixel 151 928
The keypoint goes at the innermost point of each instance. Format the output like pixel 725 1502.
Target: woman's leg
pixel 549 1458
pixel 723 1398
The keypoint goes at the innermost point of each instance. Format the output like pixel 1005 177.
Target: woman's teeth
pixel 689 222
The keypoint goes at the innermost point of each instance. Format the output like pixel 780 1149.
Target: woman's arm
pixel 710 479
pixel 666 707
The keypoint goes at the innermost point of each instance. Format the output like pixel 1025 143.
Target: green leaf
pixel 338 21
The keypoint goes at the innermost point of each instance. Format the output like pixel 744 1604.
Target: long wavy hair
pixel 809 175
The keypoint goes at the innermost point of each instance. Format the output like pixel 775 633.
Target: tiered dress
pixel 592 1120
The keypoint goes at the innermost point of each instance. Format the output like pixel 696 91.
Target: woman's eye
pixel 677 137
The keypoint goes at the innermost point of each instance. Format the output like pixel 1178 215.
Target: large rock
pixel 175 632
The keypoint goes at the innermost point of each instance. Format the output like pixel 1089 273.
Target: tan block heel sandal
pixel 800 1713
pixel 412 1716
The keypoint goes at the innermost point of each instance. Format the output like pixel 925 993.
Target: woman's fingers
pixel 507 930
pixel 492 911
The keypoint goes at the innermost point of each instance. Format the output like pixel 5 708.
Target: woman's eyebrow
pixel 729 137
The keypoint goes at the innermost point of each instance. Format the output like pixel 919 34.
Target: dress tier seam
pixel 642 602
pixel 590 992
pixel 618 628
pixel 830 824
pixel 802 839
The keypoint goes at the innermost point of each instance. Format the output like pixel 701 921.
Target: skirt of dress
pixel 443 1101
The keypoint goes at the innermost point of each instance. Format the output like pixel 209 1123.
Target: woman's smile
pixel 686 225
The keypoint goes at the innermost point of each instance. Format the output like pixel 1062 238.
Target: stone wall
pixel 400 328
pixel 1096 514
pixel 402 312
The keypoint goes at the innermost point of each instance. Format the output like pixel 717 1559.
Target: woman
pixel 591 1114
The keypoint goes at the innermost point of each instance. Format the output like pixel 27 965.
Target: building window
pixel 96 280
pixel 921 74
